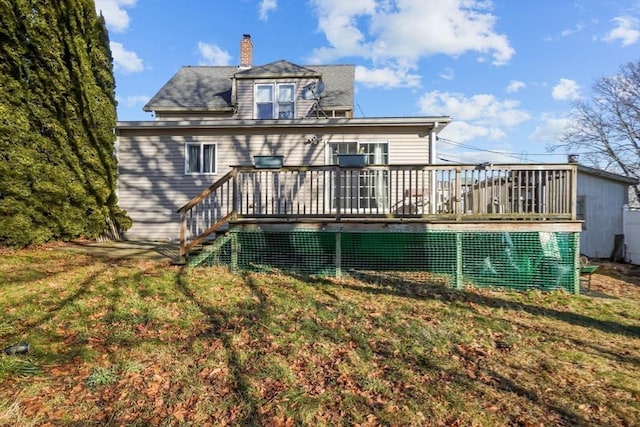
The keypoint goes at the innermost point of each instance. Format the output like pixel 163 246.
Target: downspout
pixel 432 161
pixel 432 144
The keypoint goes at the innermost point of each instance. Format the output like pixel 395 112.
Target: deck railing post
pixel 456 200
pixel 433 191
pixel 338 173
pixel 574 192
pixel 234 201
pixel 183 236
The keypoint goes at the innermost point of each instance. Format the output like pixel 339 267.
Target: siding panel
pixel 603 202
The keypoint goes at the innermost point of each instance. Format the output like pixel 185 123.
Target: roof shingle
pixel 208 88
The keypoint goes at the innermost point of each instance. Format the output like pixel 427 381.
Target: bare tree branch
pixel 607 127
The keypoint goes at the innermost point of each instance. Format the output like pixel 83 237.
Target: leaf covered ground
pixel 135 342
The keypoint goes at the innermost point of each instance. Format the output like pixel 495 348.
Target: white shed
pixel 601 197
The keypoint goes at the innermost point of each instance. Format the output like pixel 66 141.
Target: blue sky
pixel 506 71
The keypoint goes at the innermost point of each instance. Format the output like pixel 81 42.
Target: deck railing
pixel 207 212
pixel 427 193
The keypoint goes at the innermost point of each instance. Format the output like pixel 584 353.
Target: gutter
pixel 437 123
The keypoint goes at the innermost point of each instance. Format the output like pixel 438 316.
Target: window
pixel 264 102
pixel 581 210
pixel 286 95
pixel 200 158
pixel 363 189
pixel 275 101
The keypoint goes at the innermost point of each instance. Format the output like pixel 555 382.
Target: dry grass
pixel 118 342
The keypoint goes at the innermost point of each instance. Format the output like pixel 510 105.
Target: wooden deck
pixel 505 197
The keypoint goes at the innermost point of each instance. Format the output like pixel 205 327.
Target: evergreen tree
pixel 57 116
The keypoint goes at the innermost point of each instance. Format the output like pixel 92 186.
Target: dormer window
pixel 275 101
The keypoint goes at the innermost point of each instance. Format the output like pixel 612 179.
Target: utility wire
pixel 503 153
pixel 458 144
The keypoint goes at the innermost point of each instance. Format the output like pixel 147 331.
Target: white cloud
pixel 386 77
pixel 566 90
pixel 627 30
pixel 125 60
pixel 515 85
pixel 481 115
pixel 550 129
pixel 118 20
pixel 267 6
pixel 569 31
pixel 447 74
pixel 114 13
pixel 460 131
pixel 212 54
pixel 398 34
pixel 482 108
pixel 133 100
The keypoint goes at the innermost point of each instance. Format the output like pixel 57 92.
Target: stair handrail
pixel 186 246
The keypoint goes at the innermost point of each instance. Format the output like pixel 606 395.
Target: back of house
pixel 209 118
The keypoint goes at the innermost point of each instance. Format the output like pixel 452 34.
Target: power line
pixel 459 144
pixel 504 153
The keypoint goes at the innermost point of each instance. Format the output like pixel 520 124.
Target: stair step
pixel 208 250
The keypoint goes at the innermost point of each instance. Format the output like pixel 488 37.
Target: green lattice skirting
pixel 512 260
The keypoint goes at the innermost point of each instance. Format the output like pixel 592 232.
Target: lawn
pixel 134 342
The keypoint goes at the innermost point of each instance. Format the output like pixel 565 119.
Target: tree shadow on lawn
pixel 223 327
pixel 82 290
pixel 396 285
pixel 63 335
pixel 509 386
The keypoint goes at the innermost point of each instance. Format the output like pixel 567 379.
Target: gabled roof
pixel 607 175
pixel 208 88
pixel 338 85
pixel 195 88
pixel 277 69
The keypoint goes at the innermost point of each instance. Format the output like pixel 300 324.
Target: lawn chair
pixel 586 270
pixel 413 203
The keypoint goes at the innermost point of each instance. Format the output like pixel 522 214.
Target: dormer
pixel 273 91
pixel 276 91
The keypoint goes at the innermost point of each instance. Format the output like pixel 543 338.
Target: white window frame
pixel 275 100
pixel 201 145
pixel 364 177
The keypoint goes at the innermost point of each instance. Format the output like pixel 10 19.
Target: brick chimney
pixel 246 51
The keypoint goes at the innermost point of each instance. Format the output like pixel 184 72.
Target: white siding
pixel 632 235
pixel 603 213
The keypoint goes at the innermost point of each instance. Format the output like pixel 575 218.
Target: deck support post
pixel 338 254
pixel 235 248
pixel 458 279
pixel 576 263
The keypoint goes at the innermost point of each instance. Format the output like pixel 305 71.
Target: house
pixel 210 118
pixel 600 199
pixel 273 156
